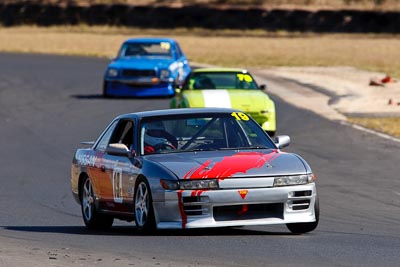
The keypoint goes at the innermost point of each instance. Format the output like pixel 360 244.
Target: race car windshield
pixel 220 80
pixel 158 49
pixel 184 133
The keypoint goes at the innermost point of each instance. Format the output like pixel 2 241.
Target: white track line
pixel 361 128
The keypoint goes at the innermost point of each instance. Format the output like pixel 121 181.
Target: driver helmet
pixel 203 83
pixel 154 133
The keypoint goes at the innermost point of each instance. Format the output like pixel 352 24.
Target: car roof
pixel 219 70
pixel 181 111
pixel 149 40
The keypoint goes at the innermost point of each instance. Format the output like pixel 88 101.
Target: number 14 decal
pixel 117 185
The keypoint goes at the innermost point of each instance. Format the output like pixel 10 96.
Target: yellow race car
pixel 228 88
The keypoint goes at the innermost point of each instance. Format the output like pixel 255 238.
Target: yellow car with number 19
pixel 228 88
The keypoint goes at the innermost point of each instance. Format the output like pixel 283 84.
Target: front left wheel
pixel 301 228
pixel 91 217
pixel 144 213
pixel 271 133
pixel 105 85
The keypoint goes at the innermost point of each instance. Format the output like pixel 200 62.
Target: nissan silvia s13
pixel 192 168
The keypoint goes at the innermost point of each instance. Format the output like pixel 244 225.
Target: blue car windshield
pixel 202 132
pixel 157 49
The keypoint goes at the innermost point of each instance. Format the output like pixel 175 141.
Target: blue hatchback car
pixel 146 67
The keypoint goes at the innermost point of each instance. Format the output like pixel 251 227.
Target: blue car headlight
pixel 112 72
pixel 164 74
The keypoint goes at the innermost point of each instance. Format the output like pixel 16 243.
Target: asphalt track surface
pixel 48 104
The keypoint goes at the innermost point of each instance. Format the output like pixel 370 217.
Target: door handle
pixel 103 168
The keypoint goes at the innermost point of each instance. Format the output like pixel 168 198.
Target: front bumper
pixel 267 121
pixel 135 89
pixel 236 207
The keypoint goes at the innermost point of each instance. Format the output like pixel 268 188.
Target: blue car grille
pixel 138 73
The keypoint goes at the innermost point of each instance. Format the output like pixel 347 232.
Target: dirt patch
pixel 349 89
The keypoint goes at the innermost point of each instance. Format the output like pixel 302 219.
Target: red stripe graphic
pixel 181 209
pixel 231 165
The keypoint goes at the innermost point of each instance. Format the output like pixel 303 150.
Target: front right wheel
pixel 91 217
pixel 144 213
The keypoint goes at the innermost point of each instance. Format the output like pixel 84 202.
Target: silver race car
pixel 192 168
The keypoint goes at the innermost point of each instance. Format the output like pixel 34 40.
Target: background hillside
pixel 388 5
pixel 342 16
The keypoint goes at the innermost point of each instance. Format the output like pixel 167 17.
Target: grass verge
pixel 224 48
pixel 390 125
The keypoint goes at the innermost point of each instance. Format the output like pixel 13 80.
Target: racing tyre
pixel 301 228
pixel 271 133
pixel 105 95
pixel 92 219
pixel 144 213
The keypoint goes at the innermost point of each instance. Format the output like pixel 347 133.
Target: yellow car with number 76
pixel 228 88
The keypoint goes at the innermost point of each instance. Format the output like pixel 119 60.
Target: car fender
pixel 306 166
pixel 154 172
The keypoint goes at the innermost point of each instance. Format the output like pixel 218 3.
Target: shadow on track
pixel 91 96
pixel 132 231
pixel 100 96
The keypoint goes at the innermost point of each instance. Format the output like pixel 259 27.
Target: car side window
pixel 123 134
pixel 179 52
pixel 103 142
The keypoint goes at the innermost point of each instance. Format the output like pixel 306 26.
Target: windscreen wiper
pixel 244 147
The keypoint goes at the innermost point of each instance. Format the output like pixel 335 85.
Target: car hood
pixel 232 163
pixel 141 63
pixel 246 100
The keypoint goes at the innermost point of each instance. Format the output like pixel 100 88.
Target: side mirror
pixel 118 149
pixel 263 87
pixel 282 141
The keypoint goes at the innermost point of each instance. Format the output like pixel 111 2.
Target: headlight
pixel 112 72
pixel 294 180
pixel 198 184
pixel 164 74
pixel 169 185
pixel 190 184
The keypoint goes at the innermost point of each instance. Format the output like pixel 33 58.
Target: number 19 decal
pixel 244 77
pixel 240 116
pixel 117 185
